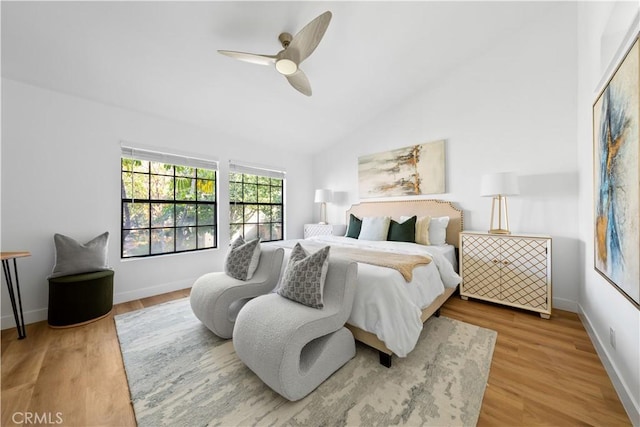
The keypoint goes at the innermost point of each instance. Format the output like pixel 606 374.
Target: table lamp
pixel 498 186
pixel 323 196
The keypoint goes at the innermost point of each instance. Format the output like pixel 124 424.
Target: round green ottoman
pixel 80 298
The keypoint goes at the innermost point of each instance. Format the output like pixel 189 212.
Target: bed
pixel 389 316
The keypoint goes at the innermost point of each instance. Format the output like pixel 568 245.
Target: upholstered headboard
pixel 396 209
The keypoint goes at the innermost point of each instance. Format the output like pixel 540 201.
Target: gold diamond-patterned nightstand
pixel 514 270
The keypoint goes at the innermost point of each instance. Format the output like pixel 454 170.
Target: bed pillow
pixel 303 279
pixel 242 258
pixel 355 224
pixel 73 257
pixel 374 228
pixel 404 231
pixel 438 230
pixel 422 229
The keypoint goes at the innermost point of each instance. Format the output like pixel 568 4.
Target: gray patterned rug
pixel 180 374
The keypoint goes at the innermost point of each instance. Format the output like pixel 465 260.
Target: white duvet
pixel 385 304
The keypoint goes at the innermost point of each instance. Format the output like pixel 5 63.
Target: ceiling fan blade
pixel 299 81
pixel 250 57
pixel 307 39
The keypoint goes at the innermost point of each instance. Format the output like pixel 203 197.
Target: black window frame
pixel 234 203
pixel 197 204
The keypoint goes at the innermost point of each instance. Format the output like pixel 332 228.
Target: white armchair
pixel 293 348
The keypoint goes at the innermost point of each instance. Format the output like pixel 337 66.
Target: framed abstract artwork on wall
pixel 616 145
pixel 407 171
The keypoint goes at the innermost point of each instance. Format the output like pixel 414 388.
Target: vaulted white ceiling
pixel 160 58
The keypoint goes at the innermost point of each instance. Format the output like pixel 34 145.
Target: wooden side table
pixel 6 257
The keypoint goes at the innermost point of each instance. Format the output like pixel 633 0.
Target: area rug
pixel 181 374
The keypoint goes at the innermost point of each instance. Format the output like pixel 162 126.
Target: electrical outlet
pixel 612 337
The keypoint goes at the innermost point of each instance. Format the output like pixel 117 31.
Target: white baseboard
pixel 31 316
pixel 153 290
pixel 565 304
pixel 632 408
pixel 38 315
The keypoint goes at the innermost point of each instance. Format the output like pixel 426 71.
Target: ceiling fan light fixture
pixel 286 66
pixel 295 50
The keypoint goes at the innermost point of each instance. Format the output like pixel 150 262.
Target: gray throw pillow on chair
pixel 242 259
pixel 73 257
pixel 304 277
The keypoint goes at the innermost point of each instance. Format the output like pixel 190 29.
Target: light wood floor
pixel 544 372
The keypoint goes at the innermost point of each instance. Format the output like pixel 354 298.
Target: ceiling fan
pixel 295 50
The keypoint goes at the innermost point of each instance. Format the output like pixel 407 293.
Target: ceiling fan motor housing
pixel 285 39
pixel 285 65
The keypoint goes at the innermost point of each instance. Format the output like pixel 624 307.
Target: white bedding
pixel 385 304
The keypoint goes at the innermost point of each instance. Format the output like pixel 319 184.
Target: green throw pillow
pixel 403 231
pixel 355 224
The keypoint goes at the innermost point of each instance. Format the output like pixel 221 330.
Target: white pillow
pixel 422 229
pixel 374 228
pixel 438 230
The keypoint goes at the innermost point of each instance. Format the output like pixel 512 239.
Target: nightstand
pixel 513 270
pixel 311 230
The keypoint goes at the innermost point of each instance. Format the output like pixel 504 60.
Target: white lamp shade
pixel 503 184
pixel 323 196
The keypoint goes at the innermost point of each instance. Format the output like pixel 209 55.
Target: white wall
pixel 602 28
pixel 523 106
pixel 512 108
pixel 61 174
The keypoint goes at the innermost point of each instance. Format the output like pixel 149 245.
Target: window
pixel 168 206
pixel 256 203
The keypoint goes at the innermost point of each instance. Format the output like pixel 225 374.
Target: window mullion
pixel 195 186
pixel 175 211
pixel 149 208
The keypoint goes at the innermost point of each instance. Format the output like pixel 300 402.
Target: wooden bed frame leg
pixel 385 359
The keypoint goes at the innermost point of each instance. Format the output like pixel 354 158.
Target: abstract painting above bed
pixel 407 171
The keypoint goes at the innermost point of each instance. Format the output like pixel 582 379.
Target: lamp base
pixel 322 223
pixel 499 200
pixel 499 231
